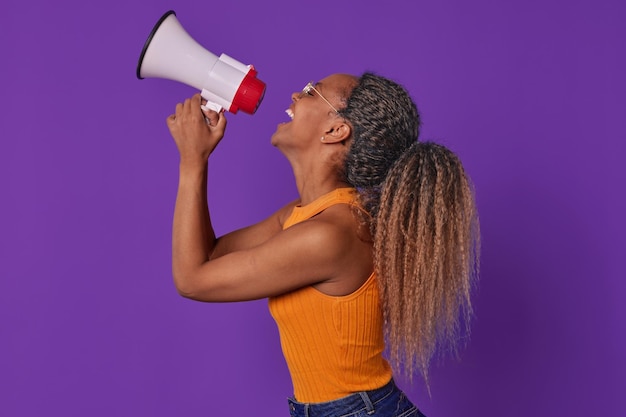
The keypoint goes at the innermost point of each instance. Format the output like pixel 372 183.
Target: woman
pixel 381 245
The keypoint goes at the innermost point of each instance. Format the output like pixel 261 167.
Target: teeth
pixel 289 113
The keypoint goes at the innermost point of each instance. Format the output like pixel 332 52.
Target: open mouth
pixel 289 113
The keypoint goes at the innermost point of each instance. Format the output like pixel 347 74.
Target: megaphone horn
pixel 224 82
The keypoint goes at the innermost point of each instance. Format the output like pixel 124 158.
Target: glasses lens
pixel 307 89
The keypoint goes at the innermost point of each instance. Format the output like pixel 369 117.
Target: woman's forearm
pixel 193 238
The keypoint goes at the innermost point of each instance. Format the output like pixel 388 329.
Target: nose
pixel 295 97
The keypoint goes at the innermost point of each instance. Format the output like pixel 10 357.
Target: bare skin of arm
pixel 262 260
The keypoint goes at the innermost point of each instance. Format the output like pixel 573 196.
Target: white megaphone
pixel 224 82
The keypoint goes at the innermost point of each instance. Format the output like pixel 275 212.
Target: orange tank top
pixel 332 345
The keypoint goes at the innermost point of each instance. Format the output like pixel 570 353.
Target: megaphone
pixel 225 83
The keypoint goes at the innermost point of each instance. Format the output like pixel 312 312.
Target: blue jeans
pixel 387 401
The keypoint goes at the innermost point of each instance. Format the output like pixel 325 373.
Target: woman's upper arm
pixel 254 235
pixel 302 255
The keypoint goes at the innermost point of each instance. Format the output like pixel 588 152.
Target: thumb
pixel 220 124
pixel 210 116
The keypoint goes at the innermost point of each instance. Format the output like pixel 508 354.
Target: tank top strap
pixel 338 196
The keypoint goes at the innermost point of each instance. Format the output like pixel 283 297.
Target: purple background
pixel 530 94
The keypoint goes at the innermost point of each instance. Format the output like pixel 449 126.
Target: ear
pixel 338 132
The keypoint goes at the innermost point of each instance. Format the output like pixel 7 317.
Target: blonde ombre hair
pixel 423 221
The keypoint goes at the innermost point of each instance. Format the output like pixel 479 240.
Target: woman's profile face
pixel 312 110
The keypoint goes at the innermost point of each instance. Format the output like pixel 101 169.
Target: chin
pixel 274 140
pixel 280 138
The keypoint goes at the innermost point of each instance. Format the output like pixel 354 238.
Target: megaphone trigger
pixel 209 104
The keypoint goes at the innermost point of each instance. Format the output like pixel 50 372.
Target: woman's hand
pixel 195 132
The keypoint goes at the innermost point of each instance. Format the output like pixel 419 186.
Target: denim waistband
pixel 364 400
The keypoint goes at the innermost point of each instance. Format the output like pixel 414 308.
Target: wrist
pixel 193 163
pixel 195 167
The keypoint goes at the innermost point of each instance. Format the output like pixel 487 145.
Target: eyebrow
pixel 319 92
pixel 319 85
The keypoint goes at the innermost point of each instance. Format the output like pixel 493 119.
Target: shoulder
pixel 335 232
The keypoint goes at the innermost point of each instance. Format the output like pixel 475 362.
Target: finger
pixel 179 110
pixel 195 105
pixel 221 123
pixel 171 123
pixel 211 116
pixel 192 103
pixel 187 106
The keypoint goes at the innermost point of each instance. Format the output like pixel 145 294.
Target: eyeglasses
pixel 307 90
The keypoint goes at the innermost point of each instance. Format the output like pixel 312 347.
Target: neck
pixel 315 180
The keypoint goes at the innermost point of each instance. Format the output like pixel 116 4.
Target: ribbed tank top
pixel 332 345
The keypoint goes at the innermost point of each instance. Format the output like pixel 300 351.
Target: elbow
pixel 184 284
pixel 183 292
pixel 189 284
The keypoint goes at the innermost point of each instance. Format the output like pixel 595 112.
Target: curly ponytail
pixel 424 222
pixel 426 248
